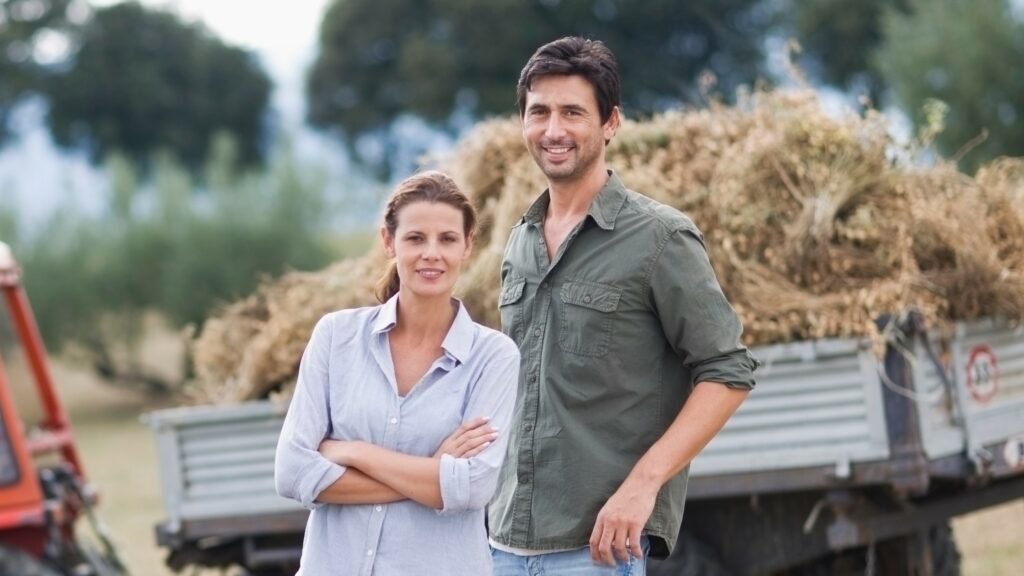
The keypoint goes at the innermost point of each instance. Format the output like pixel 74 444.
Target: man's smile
pixel 557 149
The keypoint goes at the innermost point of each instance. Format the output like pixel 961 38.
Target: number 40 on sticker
pixel 982 374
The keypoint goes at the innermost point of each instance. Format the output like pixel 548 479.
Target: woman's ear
pixel 388 241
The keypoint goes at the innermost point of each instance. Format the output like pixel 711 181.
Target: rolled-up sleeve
pixel 300 472
pixel 469 483
pixel 695 316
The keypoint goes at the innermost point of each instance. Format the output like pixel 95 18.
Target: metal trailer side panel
pixel 989 368
pixel 937 403
pixel 816 404
pixel 218 461
pixel 984 364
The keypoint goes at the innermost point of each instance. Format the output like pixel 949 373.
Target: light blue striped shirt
pixel 347 390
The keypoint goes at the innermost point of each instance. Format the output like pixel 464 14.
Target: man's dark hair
pixel 574 56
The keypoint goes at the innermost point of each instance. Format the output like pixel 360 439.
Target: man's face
pixel 563 129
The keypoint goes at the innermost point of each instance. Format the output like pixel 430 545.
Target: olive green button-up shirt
pixel 614 332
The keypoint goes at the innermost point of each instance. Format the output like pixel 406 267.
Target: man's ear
pixel 469 246
pixel 612 124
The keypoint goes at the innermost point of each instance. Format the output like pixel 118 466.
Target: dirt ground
pixel 120 459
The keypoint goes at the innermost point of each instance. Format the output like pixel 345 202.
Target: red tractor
pixel 43 488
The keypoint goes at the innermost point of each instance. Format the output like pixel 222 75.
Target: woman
pixel 392 437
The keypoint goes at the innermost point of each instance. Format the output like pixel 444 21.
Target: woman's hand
pixel 469 439
pixel 466 441
pixel 341 452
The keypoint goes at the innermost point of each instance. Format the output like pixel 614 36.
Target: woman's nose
pixel 431 251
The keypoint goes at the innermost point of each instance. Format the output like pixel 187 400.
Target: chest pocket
pixel 588 309
pixel 510 303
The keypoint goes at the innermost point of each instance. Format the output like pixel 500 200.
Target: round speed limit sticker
pixel 982 374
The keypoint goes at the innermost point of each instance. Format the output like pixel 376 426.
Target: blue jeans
pixel 571 563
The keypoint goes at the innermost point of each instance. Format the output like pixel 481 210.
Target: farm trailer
pixel 840 462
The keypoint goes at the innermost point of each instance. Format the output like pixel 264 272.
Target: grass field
pixel 120 459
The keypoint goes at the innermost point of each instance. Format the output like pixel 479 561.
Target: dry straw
pixel 813 228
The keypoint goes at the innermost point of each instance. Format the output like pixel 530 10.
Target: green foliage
pixel 379 59
pixel 144 81
pixel 169 247
pixel 24 24
pixel 839 36
pixel 966 53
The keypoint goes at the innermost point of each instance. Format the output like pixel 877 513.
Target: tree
pixel 838 38
pixel 26 26
pixel 965 53
pixel 170 248
pixel 143 81
pixel 380 59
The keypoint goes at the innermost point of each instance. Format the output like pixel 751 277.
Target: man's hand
pixel 468 440
pixel 621 521
pixel 624 515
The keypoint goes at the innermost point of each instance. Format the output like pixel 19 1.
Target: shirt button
pixel 536 332
pixel 369 552
pixel 379 508
pixel 524 477
pixel 586 298
pixel 394 420
pixel 533 378
pixel 528 427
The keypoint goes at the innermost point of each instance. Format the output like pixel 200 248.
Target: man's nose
pixel 554 128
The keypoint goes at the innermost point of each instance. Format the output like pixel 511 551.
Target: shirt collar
pixel 603 210
pixel 460 336
pixel 387 316
pixel 457 342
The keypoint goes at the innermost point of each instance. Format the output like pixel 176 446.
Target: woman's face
pixel 429 247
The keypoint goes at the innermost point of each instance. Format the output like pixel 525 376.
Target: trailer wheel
pixel 17 563
pixel 945 555
pixel 890 557
pixel 845 563
pixel 691 557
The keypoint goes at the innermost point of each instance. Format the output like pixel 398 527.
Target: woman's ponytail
pixel 388 284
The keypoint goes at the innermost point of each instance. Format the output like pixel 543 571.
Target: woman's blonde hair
pixel 431 186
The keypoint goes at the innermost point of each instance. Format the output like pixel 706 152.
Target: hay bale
pixel 253 347
pixel 812 227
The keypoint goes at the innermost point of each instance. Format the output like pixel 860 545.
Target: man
pixel 631 360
